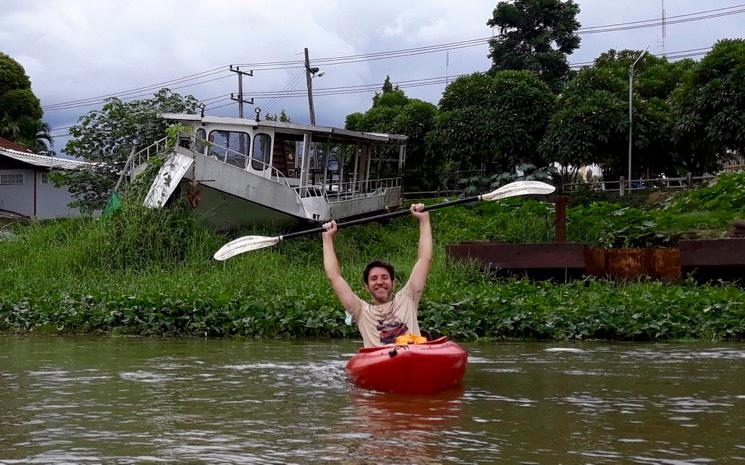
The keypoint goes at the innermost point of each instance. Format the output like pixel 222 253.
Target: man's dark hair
pixel 378 264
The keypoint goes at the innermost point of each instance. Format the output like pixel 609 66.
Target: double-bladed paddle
pixel 514 189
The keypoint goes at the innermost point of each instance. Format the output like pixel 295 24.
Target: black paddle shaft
pixel 384 216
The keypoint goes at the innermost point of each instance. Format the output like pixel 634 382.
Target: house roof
pixel 7 144
pixel 12 150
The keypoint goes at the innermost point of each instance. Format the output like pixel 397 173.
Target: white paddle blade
pixel 245 244
pixel 518 188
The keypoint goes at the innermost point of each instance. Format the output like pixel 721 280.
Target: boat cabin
pixel 288 171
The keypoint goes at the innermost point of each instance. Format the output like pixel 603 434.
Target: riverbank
pixel 151 273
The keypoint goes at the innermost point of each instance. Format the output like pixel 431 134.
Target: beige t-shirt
pixel 380 324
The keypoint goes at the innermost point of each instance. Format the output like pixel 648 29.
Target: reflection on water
pixel 121 400
pixel 396 428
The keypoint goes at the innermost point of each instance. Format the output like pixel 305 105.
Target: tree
pixel 281 117
pixel 591 124
pixel 495 120
pixel 108 136
pixel 535 35
pixel 20 109
pixel 709 109
pixel 393 112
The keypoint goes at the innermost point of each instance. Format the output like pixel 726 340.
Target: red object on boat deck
pixel 425 368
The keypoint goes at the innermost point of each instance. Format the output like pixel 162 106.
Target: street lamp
pixel 631 110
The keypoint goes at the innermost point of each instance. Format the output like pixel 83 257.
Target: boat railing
pixel 623 186
pixel 241 160
pixel 142 156
pixel 369 187
pixel 312 190
pixel 196 144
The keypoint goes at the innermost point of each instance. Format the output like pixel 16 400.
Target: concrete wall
pixel 18 199
pixel 51 202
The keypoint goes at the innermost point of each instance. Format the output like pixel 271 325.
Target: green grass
pixel 151 273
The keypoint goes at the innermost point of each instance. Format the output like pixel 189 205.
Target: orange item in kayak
pixel 410 339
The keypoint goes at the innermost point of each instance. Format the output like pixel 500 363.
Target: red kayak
pixel 425 368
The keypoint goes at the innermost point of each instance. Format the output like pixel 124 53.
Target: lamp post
pixel 631 108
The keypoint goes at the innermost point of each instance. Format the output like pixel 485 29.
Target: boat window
pixel 201 138
pixel 230 147
pixel 262 147
pixel 287 154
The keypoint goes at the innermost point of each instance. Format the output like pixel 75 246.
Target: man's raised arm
pixel 346 295
pixel 424 254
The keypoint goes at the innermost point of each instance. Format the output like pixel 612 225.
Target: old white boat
pixel 240 172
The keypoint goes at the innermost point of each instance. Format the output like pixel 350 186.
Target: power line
pixel 384 55
pixel 289 87
pixel 658 22
pixel 130 97
pixel 139 89
pixel 288 91
pixel 697 16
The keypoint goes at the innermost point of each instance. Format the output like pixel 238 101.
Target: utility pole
pixel 447 65
pixel 664 55
pixel 240 99
pixel 309 72
pixel 631 108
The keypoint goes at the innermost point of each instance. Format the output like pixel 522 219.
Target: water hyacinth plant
pixel 150 272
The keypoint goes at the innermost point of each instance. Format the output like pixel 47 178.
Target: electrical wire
pixel 384 55
pixel 289 92
pixel 288 88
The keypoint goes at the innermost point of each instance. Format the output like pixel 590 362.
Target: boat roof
pixel 320 130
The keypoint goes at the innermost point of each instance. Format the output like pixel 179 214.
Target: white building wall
pixel 51 202
pixel 18 198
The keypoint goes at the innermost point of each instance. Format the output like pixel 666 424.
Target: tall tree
pixel 709 108
pixel 393 112
pixel 535 35
pixel 495 120
pixel 20 109
pixel 591 124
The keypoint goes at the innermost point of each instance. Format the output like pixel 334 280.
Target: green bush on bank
pixel 512 309
pixel 149 272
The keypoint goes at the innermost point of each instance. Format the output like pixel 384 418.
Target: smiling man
pixel 389 315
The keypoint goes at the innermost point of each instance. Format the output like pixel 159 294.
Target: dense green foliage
pixel 709 107
pixel 393 112
pixel 687 116
pixel 535 35
pixel 109 135
pixel 493 120
pixel 151 273
pixel 725 193
pixel 591 124
pixel 20 109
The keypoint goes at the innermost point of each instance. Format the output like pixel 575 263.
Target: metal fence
pixel 623 187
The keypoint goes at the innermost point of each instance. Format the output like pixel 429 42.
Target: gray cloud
pixel 84 48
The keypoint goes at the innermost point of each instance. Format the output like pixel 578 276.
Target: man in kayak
pixel 389 315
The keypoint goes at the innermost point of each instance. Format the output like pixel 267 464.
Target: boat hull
pixel 427 368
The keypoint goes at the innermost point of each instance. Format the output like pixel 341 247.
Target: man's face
pixel 379 285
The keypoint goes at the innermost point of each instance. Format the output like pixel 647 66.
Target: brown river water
pixel 128 400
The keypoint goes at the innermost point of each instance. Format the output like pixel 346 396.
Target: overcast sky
pixel 78 49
